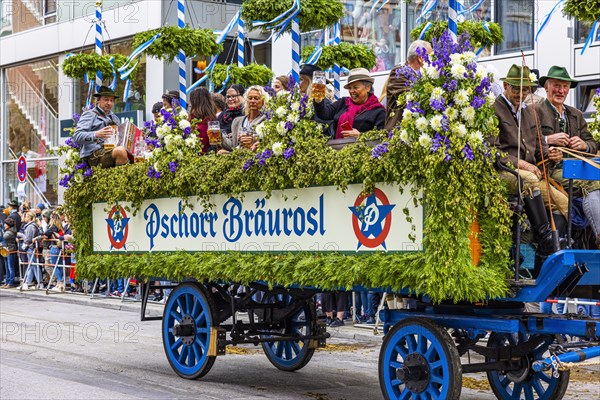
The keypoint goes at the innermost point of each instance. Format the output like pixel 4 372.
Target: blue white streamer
pixel 113 83
pixel 547 19
pixel 591 37
pixel 424 31
pixel 471 9
pixel 285 15
pixel 427 9
pixel 205 71
pixel 129 65
pixel 314 57
pixel 486 26
pixel 223 34
pixel 225 82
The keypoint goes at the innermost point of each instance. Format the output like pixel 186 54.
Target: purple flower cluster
pixel 288 153
pixel 64 182
pixel 445 46
pixel 438 104
pixel 153 142
pixel 289 126
pixel 484 87
pixel 172 166
pixel 445 124
pixel 451 86
pixel 422 52
pixel 88 172
pixel 152 173
pixel 81 165
pixel 71 143
pixel 249 163
pixel 150 127
pixel 415 106
pixel 477 102
pixel 379 150
pixel 440 141
pixel 270 91
pixel 168 118
pixel 187 131
pixel 468 153
pixel 598 92
pixel 264 156
pixel 76 117
pixel 303 104
pixel 291 83
pixel 410 75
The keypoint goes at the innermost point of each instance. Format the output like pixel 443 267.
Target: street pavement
pixel 67 346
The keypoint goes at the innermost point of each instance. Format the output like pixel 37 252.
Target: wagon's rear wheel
pixel 418 360
pixel 186 330
pixel 291 355
pixel 526 383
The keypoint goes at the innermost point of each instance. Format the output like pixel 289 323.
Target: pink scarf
pixel 354 110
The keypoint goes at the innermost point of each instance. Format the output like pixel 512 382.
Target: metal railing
pixel 40 113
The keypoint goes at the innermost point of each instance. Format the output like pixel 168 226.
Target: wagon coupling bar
pixel 275 339
pixel 570 357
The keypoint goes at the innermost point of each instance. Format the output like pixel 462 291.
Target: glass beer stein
pixel 318 85
pixel 214 133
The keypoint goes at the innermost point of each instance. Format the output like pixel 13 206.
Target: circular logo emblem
pixel 117 227
pixel 22 169
pixel 372 219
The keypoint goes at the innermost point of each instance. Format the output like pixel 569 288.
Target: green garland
pixel 194 42
pixel 433 272
pixel 345 54
pixel 583 10
pixel 314 14
pixel 248 75
pixel 479 35
pixel 77 65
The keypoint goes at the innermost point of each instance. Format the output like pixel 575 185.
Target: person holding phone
pixel 360 112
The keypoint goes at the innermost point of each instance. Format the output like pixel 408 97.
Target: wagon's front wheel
pixel 418 360
pixel 186 330
pixel 526 383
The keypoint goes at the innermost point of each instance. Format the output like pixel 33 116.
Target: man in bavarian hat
pixel 525 154
pixel 94 127
pixel 564 126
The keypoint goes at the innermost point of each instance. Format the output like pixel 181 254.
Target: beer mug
pixel 318 85
pixel 140 151
pixel 110 142
pixel 246 131
pixel 214 133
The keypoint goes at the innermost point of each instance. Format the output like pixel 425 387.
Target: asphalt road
pixel 57 350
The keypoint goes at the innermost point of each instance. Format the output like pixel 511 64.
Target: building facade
pixel 37 101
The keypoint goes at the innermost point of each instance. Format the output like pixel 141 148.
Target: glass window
pixel 582 31
pixel 137 91
pixel 440 13
pixel 585 94
pixel 377 25
pixel 32 130
pixel 516 19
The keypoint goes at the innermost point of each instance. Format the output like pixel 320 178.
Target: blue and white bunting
pixel 547 19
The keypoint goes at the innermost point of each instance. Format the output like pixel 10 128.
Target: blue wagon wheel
pixel 291 355
pixel 526 383
pixel 186 330
pixel 418 360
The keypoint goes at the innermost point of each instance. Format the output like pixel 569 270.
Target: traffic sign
pixel 22 169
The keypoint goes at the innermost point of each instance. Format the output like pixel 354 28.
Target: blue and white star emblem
pixel 372 217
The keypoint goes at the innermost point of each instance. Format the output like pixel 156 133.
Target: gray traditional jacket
pixel 90 122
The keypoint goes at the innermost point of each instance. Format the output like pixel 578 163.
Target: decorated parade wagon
pixel 417 213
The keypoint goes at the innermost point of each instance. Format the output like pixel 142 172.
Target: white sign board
pixel 311 219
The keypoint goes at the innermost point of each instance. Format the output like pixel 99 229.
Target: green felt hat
pixel 514 76
pixel 559 73
pixel 105 91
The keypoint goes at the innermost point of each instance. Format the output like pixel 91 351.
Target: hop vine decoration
pixel 314 14
pixel 194 42
pixel 248 75
pixel 74 170
pixel 175 141
pixel 77 65
pixel 583 10
pixel 345 54
pixel 289 124
pixel 594 126
pixel 479 36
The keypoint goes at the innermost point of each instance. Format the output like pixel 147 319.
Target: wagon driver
pixel 94 127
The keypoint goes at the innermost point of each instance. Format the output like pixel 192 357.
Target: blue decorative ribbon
pixel 591 37
pixel 547 19
pixel 126 68
pixel 314 57
pixel 113 83
pixel 486 26
pixel 285 15
pixel 223 34
pixel 471 9
pixel 205 71
pixel 424 31
pixel 225 82
pixel 427 9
